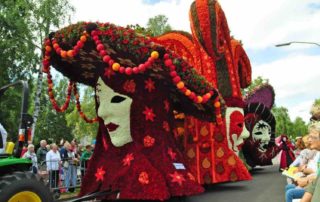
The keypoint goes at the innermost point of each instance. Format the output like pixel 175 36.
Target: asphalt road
pixel 267 186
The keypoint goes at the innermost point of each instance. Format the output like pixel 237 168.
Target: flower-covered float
pixel 138 84
pixel 210 151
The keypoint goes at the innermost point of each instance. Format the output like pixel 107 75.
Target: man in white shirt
pixel 53 161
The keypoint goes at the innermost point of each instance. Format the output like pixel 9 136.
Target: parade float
pixel 213 154
pixel 140 82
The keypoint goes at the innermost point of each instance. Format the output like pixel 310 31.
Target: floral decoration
pixel 191 177
pixel 166 105
pixel 166 126
pixel 149 85
pixel 177 177
pixel 172 154
pixel 149 115
pixel 148 141
pixel 129 86
pixel 144 178
pixel 127 159
pixel 100 174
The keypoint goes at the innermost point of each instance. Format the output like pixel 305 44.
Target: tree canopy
pixel 23 26
pixel 158 25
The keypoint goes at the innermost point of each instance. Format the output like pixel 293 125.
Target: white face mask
pixel 262 131
pixel 236 130
pixel 114 109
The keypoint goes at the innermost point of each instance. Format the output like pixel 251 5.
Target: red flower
pixel 129 86
pixel 165 126
pixel 148 112
pixel 125 41
pixel 176 177
pixel 148 141
pixel 108 72
pixel 127 160
pixel 144 178
pixel 144 50
pixel 149 84
pixel 99 174
pixel 191 177
pixel 166 105
pixel 172 154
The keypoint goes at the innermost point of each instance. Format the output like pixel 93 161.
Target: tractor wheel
pixel 23 187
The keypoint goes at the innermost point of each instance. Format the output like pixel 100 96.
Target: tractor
pixel 17 182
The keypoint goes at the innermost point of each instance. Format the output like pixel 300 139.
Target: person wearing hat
pixel 30 154
pixel 137 85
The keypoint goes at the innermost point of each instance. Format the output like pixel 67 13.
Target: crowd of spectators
pixel 305 182
pixel 62 165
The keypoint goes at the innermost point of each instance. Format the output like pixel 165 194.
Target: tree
pixel 255 83
pixel 80 127
pixel 158 25
pixel 47 14
pixel 53 125
pixel 299 128
pixel 283 122
pixel 315 110
pixel 23 26
pixel 17 57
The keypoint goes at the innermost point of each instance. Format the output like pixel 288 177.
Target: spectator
pixel 305 155
pixel 3 139
pixel 74 145
pixel 79 150
pixel 294 192
pixel 24 150
pixel 70 167
pixel 86 155
pixel 312 191
pixel 41 153
pixel 299 145
pixel 30 154
pixel 53 161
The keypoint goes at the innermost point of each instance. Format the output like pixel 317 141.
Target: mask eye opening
pixel 117 99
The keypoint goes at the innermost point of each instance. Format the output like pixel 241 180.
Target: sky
pixel 293 71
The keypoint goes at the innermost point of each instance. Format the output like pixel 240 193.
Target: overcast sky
pixel 293 71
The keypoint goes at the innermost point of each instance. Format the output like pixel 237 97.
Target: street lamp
pixel 291 42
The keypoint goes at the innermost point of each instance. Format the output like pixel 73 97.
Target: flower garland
pixel 178 69
pixel 46 69
pixel 51 95
pixel 82 115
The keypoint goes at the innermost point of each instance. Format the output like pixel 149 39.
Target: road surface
pixel 267 186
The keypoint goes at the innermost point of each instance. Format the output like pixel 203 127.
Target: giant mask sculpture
pixel 114 109
pixel 261 132
pixel 138 84
pixel 260 147
pixel 236 130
